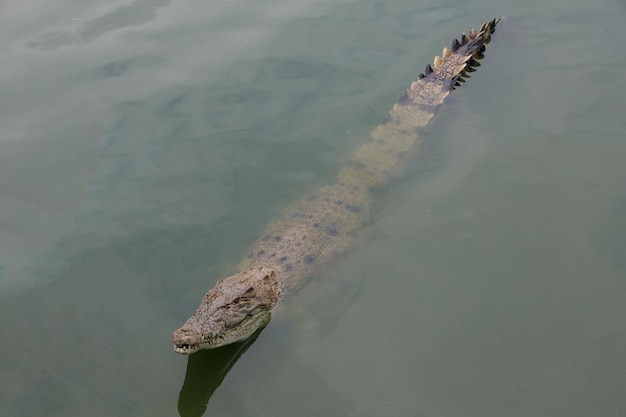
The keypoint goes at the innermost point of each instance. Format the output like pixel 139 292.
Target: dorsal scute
pixel 449 70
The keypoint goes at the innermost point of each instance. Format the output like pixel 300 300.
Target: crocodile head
pixel 230 312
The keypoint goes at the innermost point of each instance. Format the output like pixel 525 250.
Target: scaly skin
pixel 320 227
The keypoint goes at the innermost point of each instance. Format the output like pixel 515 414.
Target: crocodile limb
pixel 318 228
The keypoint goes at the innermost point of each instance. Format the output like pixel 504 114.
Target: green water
pixel 145 144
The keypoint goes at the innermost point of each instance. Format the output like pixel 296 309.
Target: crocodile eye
pixel 237 300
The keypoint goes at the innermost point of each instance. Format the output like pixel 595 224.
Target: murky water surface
pixel 145 144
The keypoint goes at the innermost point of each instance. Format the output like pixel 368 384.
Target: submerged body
pixel 322 226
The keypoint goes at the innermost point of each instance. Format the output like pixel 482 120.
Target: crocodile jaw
pixel 188 340
pixel 230 312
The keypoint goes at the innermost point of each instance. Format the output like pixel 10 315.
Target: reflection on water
pixel 205 372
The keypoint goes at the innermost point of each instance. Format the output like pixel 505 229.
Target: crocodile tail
pixel 472 46
pixel 467 51
pixel 451 68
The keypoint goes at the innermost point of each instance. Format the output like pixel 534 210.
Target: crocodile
pixel 322 226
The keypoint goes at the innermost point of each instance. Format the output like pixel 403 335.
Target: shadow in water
pixel 206 370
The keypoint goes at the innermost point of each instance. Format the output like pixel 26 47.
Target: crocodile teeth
pixel 182 349
pixel 446 52
pixel 438 61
